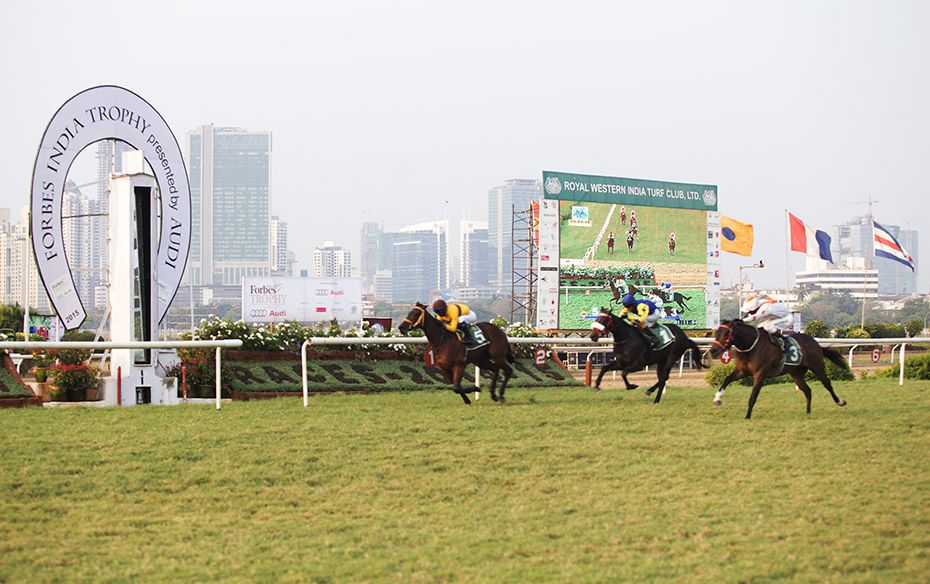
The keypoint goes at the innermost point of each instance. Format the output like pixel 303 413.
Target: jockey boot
pixel 468 337
pixel 650 337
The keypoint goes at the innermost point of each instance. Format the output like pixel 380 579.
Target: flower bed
pixel 13 392
pixel 587 276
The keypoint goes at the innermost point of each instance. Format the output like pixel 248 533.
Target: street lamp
pixel 739 293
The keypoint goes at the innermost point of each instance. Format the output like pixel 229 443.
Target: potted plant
pixel 72 375
pixel 40 363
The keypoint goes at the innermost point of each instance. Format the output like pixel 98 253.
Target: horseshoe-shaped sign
pixel 107 112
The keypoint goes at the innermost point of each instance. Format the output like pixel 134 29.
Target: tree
pixel 11 317
pixel 914 327
pixel 729 307
pixel 817 328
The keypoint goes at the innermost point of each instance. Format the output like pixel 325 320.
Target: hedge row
pixel 332 376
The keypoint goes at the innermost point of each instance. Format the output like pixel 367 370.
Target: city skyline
pixel 381 125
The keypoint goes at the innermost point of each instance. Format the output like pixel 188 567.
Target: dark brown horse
pixel 755 353
pixel 671 246
pixel 632 353
pixel 451 356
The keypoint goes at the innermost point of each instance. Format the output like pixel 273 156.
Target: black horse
pixel 451 356
pixel 675 297
pixel 755 353
pixel 632 353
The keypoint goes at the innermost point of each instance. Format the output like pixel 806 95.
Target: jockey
pixel 454 314
pixel 643 313
pixel 768 313
pixel 671 236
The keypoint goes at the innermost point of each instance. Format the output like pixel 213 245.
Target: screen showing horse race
pixel 601 238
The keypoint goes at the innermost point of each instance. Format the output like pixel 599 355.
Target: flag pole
pixel 787 255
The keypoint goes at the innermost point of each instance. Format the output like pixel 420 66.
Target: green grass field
pixel 654 225
pixel 559 485
pixel 570 313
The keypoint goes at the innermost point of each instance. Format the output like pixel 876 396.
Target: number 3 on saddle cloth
pixel 475 340
pixel 790 351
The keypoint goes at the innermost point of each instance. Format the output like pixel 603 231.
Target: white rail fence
pixel 585 344
pixel 899 345
pixel 219 345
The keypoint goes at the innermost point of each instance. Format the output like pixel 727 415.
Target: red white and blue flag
pixel 806 239
pixel 886 246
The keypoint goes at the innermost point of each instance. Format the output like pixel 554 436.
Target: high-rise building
pixel 16 260
pixel 230 178
pixel 420 262
pixel 514 194
pixel 281 257
pixel 331 261
pixel 474 265
pixel 84 233
pixel 370 254
pixel 854 240
pixel 109 161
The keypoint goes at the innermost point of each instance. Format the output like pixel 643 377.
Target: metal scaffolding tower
pixel 523 266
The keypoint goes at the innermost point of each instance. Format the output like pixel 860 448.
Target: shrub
pixel 73 376
pixel 914 327
pixel 817 328
pixel 70 356
pixel 914 368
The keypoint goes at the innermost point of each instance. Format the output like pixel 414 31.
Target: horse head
pixel 724 336
pixel 603 325
pixel 414 319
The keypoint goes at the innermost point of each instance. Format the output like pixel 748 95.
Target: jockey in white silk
pixel 767 313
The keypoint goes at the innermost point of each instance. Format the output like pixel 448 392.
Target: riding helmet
pixel 629 301
pixel 439 307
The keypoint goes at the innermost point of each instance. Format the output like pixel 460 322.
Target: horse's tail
pixel 696 355
pixel 510 358
pixel 835 356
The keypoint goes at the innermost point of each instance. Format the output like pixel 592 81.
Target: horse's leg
pixel 508 373
pixel 822 376
pixel 457 373
pixel 801 383
pixel 733 376
pixel 495 372
pixel 630 369
pixel 759 378
pixel 664 373
pixel 612 366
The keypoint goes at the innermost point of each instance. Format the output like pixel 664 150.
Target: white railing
pixel 581 343
pixel 219 345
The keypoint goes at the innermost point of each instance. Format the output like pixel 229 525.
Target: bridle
pixel 600 328
pixel 419 320
pixel 729 342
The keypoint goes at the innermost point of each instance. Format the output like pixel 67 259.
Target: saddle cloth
pixel 477 339
pixel 664 334
pixel 790 351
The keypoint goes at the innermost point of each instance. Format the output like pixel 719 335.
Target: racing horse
pixel 617 293
pixel 632 353
pixel 755 353
pixel 451 355
pixel 675 297
pixel 610 242
pixel 671 245
pixel 630 240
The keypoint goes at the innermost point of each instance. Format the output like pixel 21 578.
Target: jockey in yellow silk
pixel 455 313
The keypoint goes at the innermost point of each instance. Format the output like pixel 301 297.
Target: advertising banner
pixel 278 299
pixel 604 237
pixel 107 113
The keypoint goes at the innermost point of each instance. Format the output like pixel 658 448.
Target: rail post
pixel 901 357
pixel 219 376
pixel 681 366
pixel 477 383
pixel 184 383
pixel 303 370
pixel 850 359
pixel 119 386
pixel 587 370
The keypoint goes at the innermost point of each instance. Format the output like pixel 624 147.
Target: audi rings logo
pixel 258 313
pixel 321 292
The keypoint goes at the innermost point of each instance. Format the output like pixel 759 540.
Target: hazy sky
pixel 386 110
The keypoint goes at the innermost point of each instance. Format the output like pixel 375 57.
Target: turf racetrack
pixel 559 485
pixel 653 224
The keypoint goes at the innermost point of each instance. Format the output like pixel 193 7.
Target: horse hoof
pixel 717 403
pixel 596 388
pixel 841 403
pixel 631 387
pixel 649 392
pixel 494 397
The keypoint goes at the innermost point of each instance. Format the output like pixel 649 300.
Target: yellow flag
pixel 735 236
